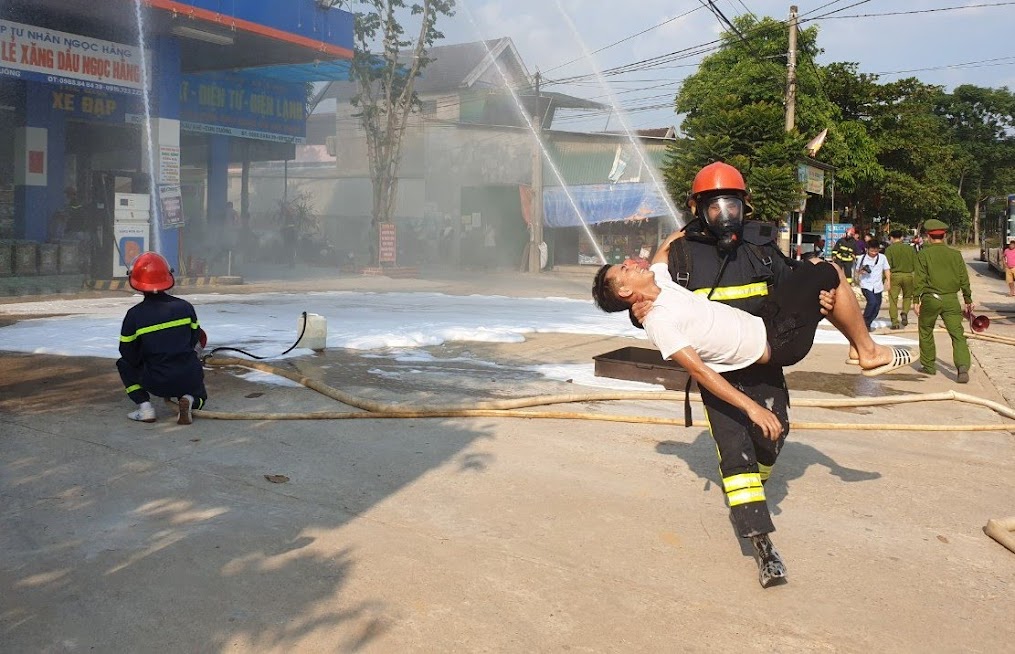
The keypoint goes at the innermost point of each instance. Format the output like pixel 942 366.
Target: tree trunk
pixel 976 217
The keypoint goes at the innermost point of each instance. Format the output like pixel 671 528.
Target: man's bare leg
pixel 847 317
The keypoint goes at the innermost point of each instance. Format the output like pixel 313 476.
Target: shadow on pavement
pixel 116 536
pixel 793 462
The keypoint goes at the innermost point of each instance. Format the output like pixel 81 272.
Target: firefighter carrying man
pixel 159 341
pixel 736 261
pixel 940 274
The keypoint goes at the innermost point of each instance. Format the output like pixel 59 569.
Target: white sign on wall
pixel 44 55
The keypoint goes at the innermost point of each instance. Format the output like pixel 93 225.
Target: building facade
pixel 91 113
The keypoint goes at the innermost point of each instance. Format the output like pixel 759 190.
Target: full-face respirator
pixel 723 215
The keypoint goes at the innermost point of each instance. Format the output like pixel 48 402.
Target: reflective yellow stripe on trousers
pixel 743 488
pixel 162 325
pixel 736 292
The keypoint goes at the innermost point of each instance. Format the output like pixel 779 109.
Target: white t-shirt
pixel 725 338
pixel 874 280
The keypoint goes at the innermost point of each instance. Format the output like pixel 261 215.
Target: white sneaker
pixel 186 417
pixel 145 413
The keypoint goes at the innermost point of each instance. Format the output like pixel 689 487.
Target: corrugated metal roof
pixel 590 161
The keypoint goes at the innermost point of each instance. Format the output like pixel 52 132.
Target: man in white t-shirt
pixel 707 338
pixel 875 278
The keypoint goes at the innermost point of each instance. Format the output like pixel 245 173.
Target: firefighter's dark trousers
pixel 138 385
pixel 746 457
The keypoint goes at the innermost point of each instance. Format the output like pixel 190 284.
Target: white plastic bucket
pixel 315 337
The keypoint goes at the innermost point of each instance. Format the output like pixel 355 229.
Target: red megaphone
pixel 977 323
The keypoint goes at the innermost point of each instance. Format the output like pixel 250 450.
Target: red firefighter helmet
pixel 151 272
pixel 718 176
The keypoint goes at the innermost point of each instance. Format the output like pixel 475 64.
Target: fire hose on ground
pixel 372 409
pixel 1001 530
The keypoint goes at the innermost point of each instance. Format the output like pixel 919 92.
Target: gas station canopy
pixel 290 41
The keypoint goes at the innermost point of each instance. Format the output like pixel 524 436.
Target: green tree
pixel 386 82
pixel 733 107
pixel 919 154
pixel 851 147
pixel 982 122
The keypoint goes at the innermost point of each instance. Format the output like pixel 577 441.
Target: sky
pixel 541 31
pixel 394 330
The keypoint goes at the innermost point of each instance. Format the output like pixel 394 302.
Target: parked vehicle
pixel 997 232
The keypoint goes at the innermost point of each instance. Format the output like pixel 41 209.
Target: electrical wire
pixel 919 11
pixel 626 38
pixel 968 64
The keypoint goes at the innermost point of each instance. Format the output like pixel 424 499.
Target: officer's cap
pixel 935 225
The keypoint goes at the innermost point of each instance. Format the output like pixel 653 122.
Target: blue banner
pixel 601 203
pixel 245 106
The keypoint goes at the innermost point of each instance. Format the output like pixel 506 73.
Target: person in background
pixel 158 344
pixel 875 275
pixel 490 246
pixel 817 253
pixel 940 274
pixel 56 227
pixel 902 261
pixel 1009 267
pixel 844 252
pixel 861 245
pixel 77 227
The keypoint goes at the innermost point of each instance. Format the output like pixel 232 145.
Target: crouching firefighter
pixel 158 344
pixel 736 261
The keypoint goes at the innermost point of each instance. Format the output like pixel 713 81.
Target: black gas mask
pixel 723 215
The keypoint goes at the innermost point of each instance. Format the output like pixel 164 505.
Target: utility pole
pixel 791 115
pixel 537 183
pixel 791 72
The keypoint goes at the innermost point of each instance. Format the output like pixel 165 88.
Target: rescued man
pixel 705 336
pixel 158 341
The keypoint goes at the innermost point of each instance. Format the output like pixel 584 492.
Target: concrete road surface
pixel 496 535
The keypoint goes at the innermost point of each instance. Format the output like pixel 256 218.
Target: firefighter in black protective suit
pixel 737 261
pixel 159 340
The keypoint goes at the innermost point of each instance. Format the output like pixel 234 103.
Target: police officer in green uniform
pixel 940 274
pixel 902 259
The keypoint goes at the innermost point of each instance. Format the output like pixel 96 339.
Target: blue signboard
pixel 244 106
pixel 600 203
pixel 833 233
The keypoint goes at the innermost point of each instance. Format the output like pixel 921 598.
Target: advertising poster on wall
pixel 388 250
pixel 171 204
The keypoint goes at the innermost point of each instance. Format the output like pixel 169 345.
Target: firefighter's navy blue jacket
pixel 157 342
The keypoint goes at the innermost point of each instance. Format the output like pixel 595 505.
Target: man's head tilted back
pixel 605 294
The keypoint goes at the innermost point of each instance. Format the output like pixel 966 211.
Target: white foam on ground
pixel 267 323
pixel 258 377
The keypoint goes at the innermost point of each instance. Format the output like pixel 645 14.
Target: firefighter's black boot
pixel 771 569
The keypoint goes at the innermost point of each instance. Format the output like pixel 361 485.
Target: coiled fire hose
pixel 1000 529
pixel 372 409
